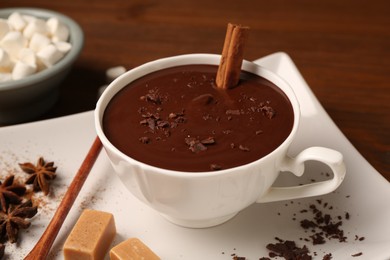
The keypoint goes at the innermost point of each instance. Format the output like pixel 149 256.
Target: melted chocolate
pixel 177 119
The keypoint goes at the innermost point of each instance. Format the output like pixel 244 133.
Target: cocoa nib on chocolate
pixel 268 111
pixel 153 96
pixel 243 148
pixel 235 112
pixel 215 167
pixel 154 121
pixel 208 140
pixel 144 139
pixel 196 145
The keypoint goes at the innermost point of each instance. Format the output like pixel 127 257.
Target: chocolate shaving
pixel 208 140
pixel 215 167
pixel 233 112
pixel 268 111
pixel 144 140
pixel 243 148
pixel 150 122
pixel 327 257
pixel 153 97
pixel 196 145
pixel 163 124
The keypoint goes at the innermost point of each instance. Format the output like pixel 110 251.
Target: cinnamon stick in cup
pixel 229 68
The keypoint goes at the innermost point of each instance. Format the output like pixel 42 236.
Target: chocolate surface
pixel 177 119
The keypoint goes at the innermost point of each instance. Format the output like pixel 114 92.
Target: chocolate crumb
pixel 306 224
pixel 233 112
pixel 144 139
pixel 215 167
pixel 357 254
pixel 163 124
pixel 239 257
pixel 258 132
pixel 244 148
pixel 288 250
pixel 359 238
pixel 153 97
pixel 268 111
pixel 318 239
pixel 195 145
pixel 172 115
pixel 327 257
pixel 208 140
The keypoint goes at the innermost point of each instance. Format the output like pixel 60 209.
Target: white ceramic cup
pixel 204 199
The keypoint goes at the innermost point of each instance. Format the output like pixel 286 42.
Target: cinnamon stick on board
pixel 229 68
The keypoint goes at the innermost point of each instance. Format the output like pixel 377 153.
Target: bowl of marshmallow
pixel 37 50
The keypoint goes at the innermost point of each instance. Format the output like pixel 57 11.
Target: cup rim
pixel 186 59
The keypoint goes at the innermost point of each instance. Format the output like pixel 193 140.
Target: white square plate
pixel 364 194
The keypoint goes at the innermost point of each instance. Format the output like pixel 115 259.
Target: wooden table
pixel 342 48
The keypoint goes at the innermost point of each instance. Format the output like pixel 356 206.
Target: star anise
pixel 10 193
pixel 41 174
pixel 15 219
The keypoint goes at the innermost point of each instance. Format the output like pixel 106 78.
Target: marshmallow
pixel 16 21
pixel 49 55
pixel 27 56
pixel 5 61
pixel 58 30
pixel 35 26
pixel 38 41
pixel 4 28
pixel 28 18
pixel 13 42
pixel 22 70
pixel 114 72
pixel 5 76
pixel 63 47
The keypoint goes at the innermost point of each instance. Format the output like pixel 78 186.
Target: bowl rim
pixel 76 38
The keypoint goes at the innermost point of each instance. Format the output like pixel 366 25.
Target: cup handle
pixel 332 158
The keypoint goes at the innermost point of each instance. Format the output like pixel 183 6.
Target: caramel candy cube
pixel 91 237
pixel 132 249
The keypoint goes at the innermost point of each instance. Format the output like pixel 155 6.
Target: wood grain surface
pixel 342 48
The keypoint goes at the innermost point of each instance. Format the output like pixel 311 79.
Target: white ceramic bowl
pixel 25 99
